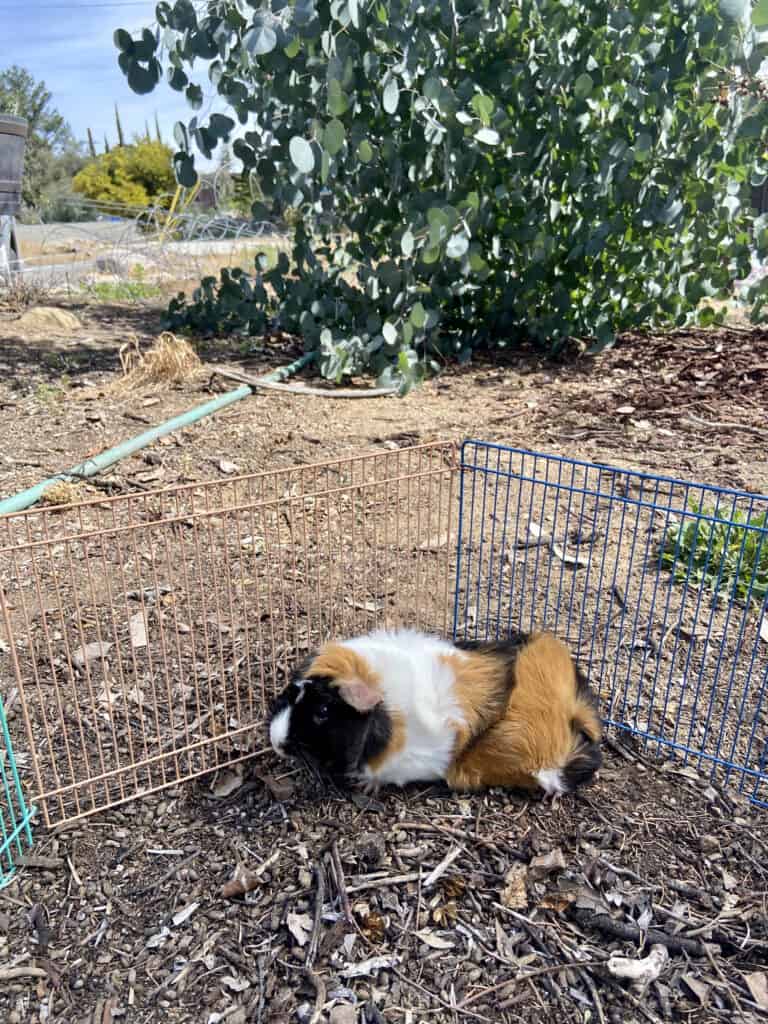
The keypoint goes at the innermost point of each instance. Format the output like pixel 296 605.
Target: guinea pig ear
pixel 359 695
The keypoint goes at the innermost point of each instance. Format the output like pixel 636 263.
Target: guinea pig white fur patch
pixel 420 686
pixel 278 730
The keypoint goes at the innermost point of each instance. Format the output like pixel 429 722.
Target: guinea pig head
pixel 331 713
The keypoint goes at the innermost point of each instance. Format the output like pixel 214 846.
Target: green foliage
pixel 238 303
pixel 729 558
pixel 124 291
pixel 469 172
pixel 52 155
pixel 135 175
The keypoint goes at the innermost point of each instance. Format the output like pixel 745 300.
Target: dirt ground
pixel 418 906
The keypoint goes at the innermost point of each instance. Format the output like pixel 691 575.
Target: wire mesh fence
pixel 660 585
pixel 147 633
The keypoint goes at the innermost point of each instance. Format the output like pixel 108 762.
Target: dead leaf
pixel 368 967
pixel 546 864
pixel 138 628
pixel 729 881
pixel 281 789
pixel 242 881
pixel 235 984
pixel 535 530
pixel 568 559
pixel 625 410
pixel 300 927
pixel 184 914
pixel 757 983
pixel 227 467
pixel 699 988
pixel 158 939
pixel 505 945
pixel 514 894
pixel 228 781
pixel 433 940
pixel 84 655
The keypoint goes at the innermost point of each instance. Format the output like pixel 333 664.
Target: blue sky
pixel 69 46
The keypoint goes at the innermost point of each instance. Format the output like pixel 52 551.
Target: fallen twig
pixel 168 874
pixel 341 885
pixel 745 428
pixel 314 942
pixel 624 930
pixel 319 986
pixel 9 973
pixel 537 972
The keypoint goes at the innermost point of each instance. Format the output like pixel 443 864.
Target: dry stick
pixel 294 389
pixel 378 883
pixel 535 973
pixel 620 930
pixel 341 884
pixel 456 833
pixel 168 874
pixel 438 999
pixel 314 942
pixel 9 973
pixel 729 988
pixel 637 1003
pixel 319 986
pixel 724 425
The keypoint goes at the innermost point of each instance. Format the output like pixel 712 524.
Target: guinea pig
pixel 395 707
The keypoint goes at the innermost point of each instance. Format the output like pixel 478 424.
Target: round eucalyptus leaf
pixel 457 245
pixel 407 244
pixel 418 315
pixel 184 168
pixel 391 96
pixel 488 137
pixel 334 136
pixel 390 333
pixel 123 40
pixel 365 152
pixel 301 154
pixel 583 86
pixel 261 39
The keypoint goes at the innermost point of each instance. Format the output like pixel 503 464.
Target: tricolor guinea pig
pixel 394 707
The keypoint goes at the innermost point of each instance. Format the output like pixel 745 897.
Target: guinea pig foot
pixel 367 785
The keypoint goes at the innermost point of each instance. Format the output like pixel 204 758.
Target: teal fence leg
pixel 15 816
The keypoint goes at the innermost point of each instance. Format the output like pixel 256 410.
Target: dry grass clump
pixel 170 360
pixel 61 492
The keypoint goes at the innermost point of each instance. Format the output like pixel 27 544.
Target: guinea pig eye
pixel 322 713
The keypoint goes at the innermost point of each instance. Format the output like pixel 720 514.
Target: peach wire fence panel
pixel 145 634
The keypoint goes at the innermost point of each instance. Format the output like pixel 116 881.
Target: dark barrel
pixel 13 139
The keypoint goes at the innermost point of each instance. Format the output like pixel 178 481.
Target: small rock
pixel 709 844
pixel 344 1014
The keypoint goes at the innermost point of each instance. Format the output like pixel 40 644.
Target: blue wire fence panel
pixel 15 816
pixel 659 586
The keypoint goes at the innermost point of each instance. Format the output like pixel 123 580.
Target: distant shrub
pixel 134 175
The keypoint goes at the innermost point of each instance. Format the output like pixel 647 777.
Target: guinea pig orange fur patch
pixel 396 742
pixel 481 686
pixel 540 726
pixel 342 664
